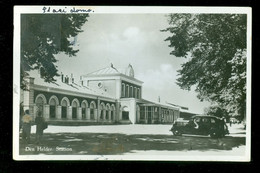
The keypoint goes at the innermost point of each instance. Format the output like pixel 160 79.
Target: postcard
pixel 132 83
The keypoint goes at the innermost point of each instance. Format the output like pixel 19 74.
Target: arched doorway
pixel 102 111
pixel 75 105
pixel 84 106
pixel 64 106
pixel 40 101
pixel 53 102
pixel 92 108
pixel 125 113
pixel 108 116
pixel 113 113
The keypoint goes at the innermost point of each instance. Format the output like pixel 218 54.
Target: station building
pixel 105 96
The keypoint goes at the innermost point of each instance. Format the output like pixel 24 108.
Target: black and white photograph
pixel 132 83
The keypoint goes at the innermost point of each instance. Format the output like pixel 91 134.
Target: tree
pixel 42 37
pixel 216 110
pixel 215 46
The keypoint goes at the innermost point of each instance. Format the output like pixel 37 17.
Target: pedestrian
pixel 26 126
pixel 40 126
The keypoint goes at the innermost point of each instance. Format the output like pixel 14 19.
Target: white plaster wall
pixel 108 86
pixel 131 104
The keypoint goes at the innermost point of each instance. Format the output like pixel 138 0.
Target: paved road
pixel 116 144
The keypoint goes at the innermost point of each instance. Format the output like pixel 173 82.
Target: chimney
pixel 62 77
pixel 72 79
pixel 81 81
pixel 159 99
pixel 66 79
pixel 69 80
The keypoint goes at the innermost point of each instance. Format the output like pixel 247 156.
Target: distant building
pixel 186 114
pixel 105 96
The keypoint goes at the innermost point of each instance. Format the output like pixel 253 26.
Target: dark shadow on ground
pixel 114 144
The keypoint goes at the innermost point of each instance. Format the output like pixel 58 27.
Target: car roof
pixel 206 116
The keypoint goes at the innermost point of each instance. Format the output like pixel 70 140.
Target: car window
pixel 197 120
pixel 212 120
pixel 205 120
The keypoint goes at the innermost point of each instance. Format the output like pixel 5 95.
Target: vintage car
pixel 201 125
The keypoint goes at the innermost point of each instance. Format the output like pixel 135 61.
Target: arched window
pixel 123 90
pixel 134 95
pixel 131 91
pixel 138 93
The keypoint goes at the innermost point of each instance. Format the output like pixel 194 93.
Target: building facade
pixel 106 96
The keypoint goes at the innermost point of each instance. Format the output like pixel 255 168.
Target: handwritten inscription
pixel 65 10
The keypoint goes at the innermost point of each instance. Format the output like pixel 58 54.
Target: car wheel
pixel 214 134
pixel 176 133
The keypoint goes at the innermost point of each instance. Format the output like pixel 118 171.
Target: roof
pixel 188 112
pixel 74 87
pixel 147 102
pixel 207 116
pixel 111 71
pixel 104 71
pixel 182 107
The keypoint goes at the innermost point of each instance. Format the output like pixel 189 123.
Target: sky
pixel 135 39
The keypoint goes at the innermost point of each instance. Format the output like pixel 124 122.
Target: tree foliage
pixel 42 37
pixel 217 111
pixel 215 48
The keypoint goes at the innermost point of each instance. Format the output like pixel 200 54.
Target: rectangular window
pixel 142 112
pixel 156 113
pixel 125 115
